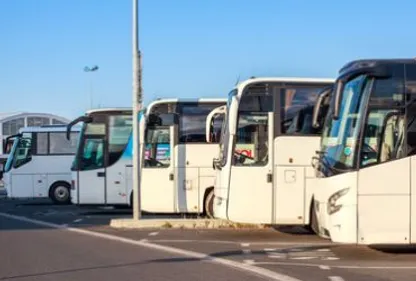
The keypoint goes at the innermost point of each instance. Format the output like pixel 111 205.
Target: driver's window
pixel 93 154
pixel 383 137
pixel 157 153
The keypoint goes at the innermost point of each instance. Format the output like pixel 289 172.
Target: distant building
pixel 10 123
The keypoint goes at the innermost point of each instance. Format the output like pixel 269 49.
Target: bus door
pixel 157 174
pixel 91 177
pixel 384 203
pixel 251 178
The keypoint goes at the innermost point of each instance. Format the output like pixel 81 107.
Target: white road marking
pixel 324 267
pixel 322 250
pixel 336 266
pixel 330 258
pixel 270 250
pixel 248 261
pixel 153 233
pixel 277 256
pixel 270 275
pixel 77 220
pixel 247 251
pixel 245 244
pixel 302 258
pixel 335 278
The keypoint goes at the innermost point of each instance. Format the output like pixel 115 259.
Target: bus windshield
pixel 225 130
pixel 340 137
pixel 21 152
pixel 102 136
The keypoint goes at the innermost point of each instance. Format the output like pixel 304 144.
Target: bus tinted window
pixel 297 105
pixel 119 130
pixel 192 121
pixel 58 144
pixel 42 143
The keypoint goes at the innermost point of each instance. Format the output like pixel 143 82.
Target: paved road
pixel 294 253
pixel 32 252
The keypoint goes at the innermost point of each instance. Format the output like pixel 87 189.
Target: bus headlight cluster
pixel 332 206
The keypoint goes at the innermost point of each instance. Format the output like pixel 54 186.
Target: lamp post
pixel 137 106
pixel 91 69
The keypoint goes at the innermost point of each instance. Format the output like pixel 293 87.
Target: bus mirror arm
pixel 317 108
pixel 85 119
pixel 338 95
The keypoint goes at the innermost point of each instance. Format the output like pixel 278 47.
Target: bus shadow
pixel 394 249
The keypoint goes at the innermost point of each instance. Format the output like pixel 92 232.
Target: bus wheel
pixel 209 204
pixel 59 193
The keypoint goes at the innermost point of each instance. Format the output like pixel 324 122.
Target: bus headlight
pixel 332 206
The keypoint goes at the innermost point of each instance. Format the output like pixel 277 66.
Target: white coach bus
pixel 261 183
pixel 177 175
pixel 366 191
pixel 39 163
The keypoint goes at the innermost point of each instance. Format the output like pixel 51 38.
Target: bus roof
pixel 306 80
pixel 368 63
pixel 48 128
pixel 108 109
pixel 185 100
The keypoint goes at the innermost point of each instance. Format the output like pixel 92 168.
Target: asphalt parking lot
pixel 291 251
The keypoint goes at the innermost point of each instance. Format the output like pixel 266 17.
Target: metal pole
pixel 137 105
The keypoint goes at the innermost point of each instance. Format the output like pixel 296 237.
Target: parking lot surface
pixel 288 251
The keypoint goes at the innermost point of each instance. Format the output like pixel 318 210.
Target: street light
pixel 91 69
pixel 137 106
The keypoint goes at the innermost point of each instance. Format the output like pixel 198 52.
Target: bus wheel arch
pixel 60 192
pixel 208 209
pixel 313 222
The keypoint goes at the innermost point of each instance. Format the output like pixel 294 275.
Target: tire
pixel 209 204
pixel 60 193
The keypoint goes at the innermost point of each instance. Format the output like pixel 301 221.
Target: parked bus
pixel 177 175
pixel 366 191
pixel 250 186
pixel 100 173
pixel 39 163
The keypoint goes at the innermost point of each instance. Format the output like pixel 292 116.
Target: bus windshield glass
pixel 341 136
pixel 21 152
pixel 225 131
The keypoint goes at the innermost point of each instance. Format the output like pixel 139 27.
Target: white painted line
pixel 247 251
pixel 270 275
pixel 153 233
pixel 337 266
pixel 330 258
pixel 248 261
pixel 276 256
pixel 270 250
pixel 335 278
pixel 245 244
pixel 77 220
pixel 322 250
pixel 324 267
pixel 302 258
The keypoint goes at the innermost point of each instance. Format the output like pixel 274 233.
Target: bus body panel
pixel 34 179
pixel 292 166
pixel 384 203
pixel 413 200
pixel 324 189
pixel 195 174
pixel 117 182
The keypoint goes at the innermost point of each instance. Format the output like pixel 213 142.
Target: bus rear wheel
pixel 59 193
pixel 209 204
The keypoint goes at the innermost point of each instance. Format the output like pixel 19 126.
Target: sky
pixel 190 48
